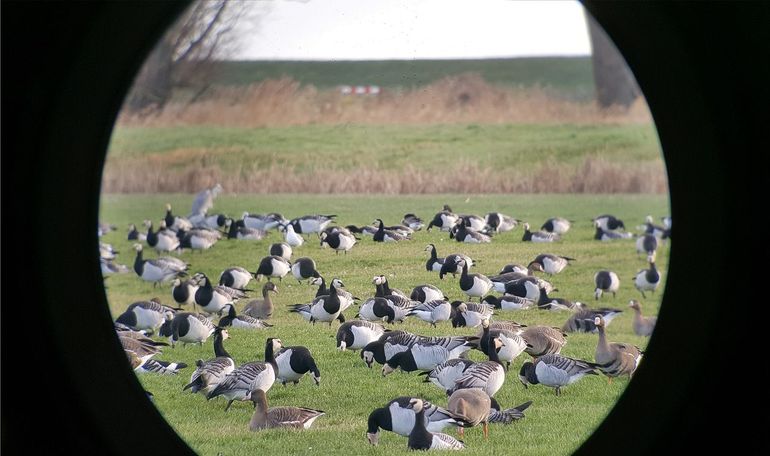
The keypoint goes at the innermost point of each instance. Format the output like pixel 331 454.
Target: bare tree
pixel 615 84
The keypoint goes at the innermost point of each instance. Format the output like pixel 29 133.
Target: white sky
pixel 414 29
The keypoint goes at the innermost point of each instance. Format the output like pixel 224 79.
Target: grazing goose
pixel 183 292
pixel 508 302
pixel 323 308
pixel 444 220
pixel 452 266
pixel 176 223
pixel 546 302
pixel 188 328
pixel 551 264
pixel 135 235
pixel 615 359
pixel 145 316
pixel 155 366
pixel 279 417
pixel 501 223
pixel 383 235
pixel 462 233
pixel 468 314
pixel 647 279
pixel 240 321
pixel 239 230
pixel 161 269
pixel 512 326
pixel 487 375
pixel 379 308
pixel 500 281
pixel 109 267
pixel 311 223
pixel 583 319
pixel 643 326
pixel 512 344
pixel 555 371
pixel 556 225
pixel 609 223
pixel 235 277
pixel 543 340
pixel 397 416
pixel 340 241
pixel 432 311
pixel 293 363
pixel 209 373
pixel 272 266
pixel 238 384
pixel 140 349
pixel 412 221
pixel 472 285
pixel 423 356
pixel 367 230
pixel 648 244
pixel 303 269
pixel 282 250
pixel 394 342
pixel 539 236
pixel 263 222
pixel 470 407
pixel 262 308
pixel 603 235
pixel 422 439
pixel 291 237
pixel 204 200
pixel 606 281
pixel 445 374
pixel 425 293
pixel 357 334
pixel 213 299
pixel 507 416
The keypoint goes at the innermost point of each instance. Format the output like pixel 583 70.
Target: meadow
pixel 349 391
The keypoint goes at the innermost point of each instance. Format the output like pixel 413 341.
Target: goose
pixel 508 325
pixel 272 266
pixel 293 363
pixel 500 281
pixel 543 340
pixel 451 265
pixel 471 407
pixel 303 269
pixel 555 371
pixel 135 235
pixel 161 269
pixel 643 326
pixel 356 334
pixel 551 264
pixel 235 277
pixel 655 230
pixel 323 308
pixel 512 343
pixel 412 221
pixel 145 316
pixel 397 416
pixel 109 267
pixel 282 250
pixel 383 235
pixel 199 239
pixel 239 230
pixel 262 308
pixel 212 222
pixel 279 417
pixel 338 229
pixel 238 384
pixel 240 321
pixel 346 297
pixel 163 240
pixel 422 439
pixel 107 251
pixel 513 267
pixel 421 356
pixel 558 225
pixel 609 223
pixel 382 288
pixel 188 328
pixel 474 222
pixel 213 299
pixel 432 311
pixel 647 279
pixel 291 237
pixel 539 236
pixel 204 200
pixel 425 293
pixel 139 349
pixel 473 285
pixel 507 416
pixel 602 235
pixel 615 359
pixel 444 220
pixel 176 223
pixel 546 302
pixel 209 373
pixel 501 223
pixel 583 319
pixel 183 292
pixel 647 243
pixel 393 342
pixel 367 230
pixel 606 281
pixel 379 308
pixel 467 314
pixel 434 263
pixel 155 366
pixel 311 223
pixel 508 302
pixel 462 233
pixel 263 222
pixel 445 374
pixel 487 375
pixel 104 228
pixel 525 287
pixel 339 241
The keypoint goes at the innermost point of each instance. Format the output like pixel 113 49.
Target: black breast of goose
pixel 339 241
pixel 434 263
pixel 237 229
pixel 451 265
pixel 272 266
pixel 551 264
pixel 646 243
pixel 606 281
pixel 647 279
pixel 235 277
pixel 376 309
pixel 387 345
pixel 397 416
pixel 293 363
pixel 356 334
pixel 422 439
pixel 311 223
pixel 134 234
pixel 512 343
pixel 583 319
pixel 183 292
pixel 161 269
pixel 211 299
pixel 555 371
pixel 546 302
pixel 525 287
pixel 240 321
pixel 324 308
pixel 466 234
pixel 469 314
pixel 383 235
pixel 425 293
pixel 281 249
pixel 473 285
pixel 188 328
pixel 304 268
pixel 609 222
pixel 418 356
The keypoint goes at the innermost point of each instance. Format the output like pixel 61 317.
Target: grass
pixel 349 391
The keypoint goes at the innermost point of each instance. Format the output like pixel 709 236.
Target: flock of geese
pixel 443 361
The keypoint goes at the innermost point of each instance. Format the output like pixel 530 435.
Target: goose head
pixel 379 280
pixel 270 286
pixel 599 321
pixel 527 374
pixel 634 304
pixel 138 247
pixel 416 404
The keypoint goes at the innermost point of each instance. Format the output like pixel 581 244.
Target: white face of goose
pixel 416 404
pixel 368 358
pixel 598 321
pixel 342 346
pixel 338 283
pixel 378 280
pixel 225 334
pixel 277 344
pixel 316 281
pixel 386 369
pixel 138 247
pixel 373 437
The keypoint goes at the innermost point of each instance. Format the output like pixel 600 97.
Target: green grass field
pixel 349 391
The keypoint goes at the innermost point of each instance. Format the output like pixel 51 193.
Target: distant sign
pixel 359 90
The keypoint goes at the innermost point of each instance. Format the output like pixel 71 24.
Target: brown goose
pixel 643 326
pixel 543 340
pixel 615 359
pixel 262 308
pixel 471 407
pixel 279 417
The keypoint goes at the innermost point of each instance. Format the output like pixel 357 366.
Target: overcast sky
pixel 415 29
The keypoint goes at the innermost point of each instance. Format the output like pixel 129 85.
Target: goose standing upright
pixel 339 241
pixel 262 309
pixel 647 243
pixel 615 359
pixel 209 373
pixel 163 240
pixel 606 281
pixel 279 417
pixel 212 299
pixel 183 292
pixel 422 439
pixel 291 237
pixel 470 407
pixel 311 223
pixel 647 279
pixel 281 249
pixel 473 285
pixel 322 308
pixel 643 326
pixel 512 343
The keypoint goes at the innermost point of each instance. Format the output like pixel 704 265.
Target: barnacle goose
pixel 647 279
pixel 473 285
pixel 188 328
pixel 293 363
pixel 272 266
pixel 551 264
pixel 340 241
pixel 263 222
pixel 240 321
pixel 583 319
pixel 323 308
pixel 163 240
pixel 176 223
pixel 161 269
pixel 397 416
pixel 558 225
pixel 606 281
pixel 425 293
pixel 444 220
pixel 281 249
pixel 501 223
pixel 422 439
pixel 555 371
pixel 469 314
pixel 463 233
pixel 445 374
pixel 304 268
pixel 487 375
pixel 238 230
pixel 213 299
pixel 383 235
pixel 356 334
pixel 145 316
pixel 311 223
pixel 412 221
pixel 539 236
pixel 512 343
pixel 432 311
pixel 235 277
pixel 609 223
pixel 290 236
pixel 183 292
pixel 209 373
